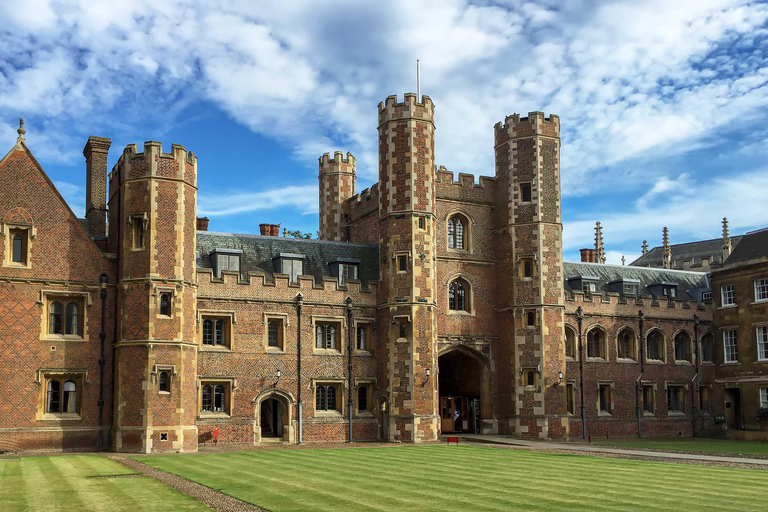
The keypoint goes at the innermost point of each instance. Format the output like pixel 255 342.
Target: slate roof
pixel 753 245
pixel 686 252
pixel 690 284
pixel 258 252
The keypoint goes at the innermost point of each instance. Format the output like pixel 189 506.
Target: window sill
pixel 275 350
pixel 203 415
pixel 683 362
pixel 676 414
pixel 655 361
pixel 327 352
pixel 596 360
pixel 215 348
pixel 137 249
pixel 761 301
pixel 363 353
pixel 728 306
pixel 729 363
pixel 454 312
pixel 328 414
pixel 61 417
pixel 365 414
pixel 604 413
pixel 17 265
pixel 163 392
pixel 531 388
pixel 625 360
pixel 63 337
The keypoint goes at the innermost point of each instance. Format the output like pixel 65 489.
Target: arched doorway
pixel 464 384
pixel 271 418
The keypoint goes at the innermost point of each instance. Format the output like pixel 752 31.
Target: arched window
pixel 54 318
pixel 54 396
pixel 208 398
pixel 458 295
pixel 165 304
pixel 626 344
pixel 219 398
pixel 570 343
pixel 207 332
pixel 362 398
pixel 69 404
pixel 72 319
pixel 164 381
pixel 682 346
pixel 655 344
pixel 457 232
pixel 596 343
pixel 18 245
pixel 707 350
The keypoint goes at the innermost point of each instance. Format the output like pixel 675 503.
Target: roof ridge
pixel 287 238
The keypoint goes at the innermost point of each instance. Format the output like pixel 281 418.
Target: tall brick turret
pixel 337 184
pixel 529 245
pixel 407 325
pixel 152 211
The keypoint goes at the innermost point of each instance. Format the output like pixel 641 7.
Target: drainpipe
pixel 580 317
pixel 639 381
pixel 696 374
pixel 299 298
pixel 349 362
pixel 102 361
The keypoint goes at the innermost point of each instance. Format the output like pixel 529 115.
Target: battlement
pixel 578 297
pixel 391 110
pixel 536 123
pixel 338 163
pixel 179 163
pixel 465 189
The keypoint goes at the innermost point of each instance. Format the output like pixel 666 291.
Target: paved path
pixel 546 445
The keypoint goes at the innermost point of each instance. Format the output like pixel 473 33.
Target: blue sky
pixel 663 105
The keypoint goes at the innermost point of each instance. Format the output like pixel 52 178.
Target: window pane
pixel 729 346
pixel 71 322
pixel 459 234
pixel 452 296
pixel 218 399
pixel 207 398
pixel 320 398
pixel 221 326
pixel 331 398
pixel 362 398
pixel 272 335
pixel 330 339
pixel 451 239
pixel 207 332
pixel 164 382
pixel 361 338
pixel 234 262
pixel 165 304
pixel 706 348
pixel 762 342
pixel 319 337
pixel 54 320
pixel 460 303
pixel 70 397
pixel 53 396
pixel 17 248
pixel 761 288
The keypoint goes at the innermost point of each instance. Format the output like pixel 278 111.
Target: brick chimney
pixel 202 223
pixel 588 255
pixel 95 153
pixel 269 229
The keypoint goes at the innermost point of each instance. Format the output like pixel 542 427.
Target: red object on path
pixel 452 439
pixel 215 436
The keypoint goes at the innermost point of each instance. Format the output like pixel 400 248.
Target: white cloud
pixel 301 198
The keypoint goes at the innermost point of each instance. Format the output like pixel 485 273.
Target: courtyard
pixel 434 477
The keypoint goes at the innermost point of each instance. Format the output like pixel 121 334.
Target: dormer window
pixel 670 291
pixel 345 269
pixel 629 289
pixel 225 259
pixel 588 287
pixel 291 264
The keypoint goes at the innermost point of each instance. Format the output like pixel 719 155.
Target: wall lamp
pixel 559 379
pixel 429 372
pixel 278 379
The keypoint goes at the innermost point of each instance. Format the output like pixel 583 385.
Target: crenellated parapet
pixel 465 189
pixel 153 162
pixel 536 123
pixel 391 110
pixel 577 298
pixel 337 185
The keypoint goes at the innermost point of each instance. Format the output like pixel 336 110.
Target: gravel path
pixel 206 495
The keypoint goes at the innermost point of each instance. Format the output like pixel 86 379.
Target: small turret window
pixel 165 304
pixel 458 295
pixel 525 192
pixel 16 247
pixel 457 236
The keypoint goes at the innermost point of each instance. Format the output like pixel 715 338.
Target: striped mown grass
pixel 82 483
pixel 448 478
pixel 688 444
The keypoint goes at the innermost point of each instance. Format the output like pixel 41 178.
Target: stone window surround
pixel 370 383
pixel 662 349
pixel 575 345
pixel 31 231
pixel 691 351
pixel 601 383
pixel 520 260
pixel 571 382
pixel 341 331
pixel 684 387
pixel 468 226
pixel 633 348
pixel 604 343
pixel 155 374
pixel 757 287
pixel 42 376
pixel 84 301
pixel 760 326
pixel 469 299
pixel 653 385
pixel 370 324
pixel 285 322
pixel 214 314
pixel 735 330
pixel 158 293
pixel 230 384
pixel 133 219
pixel 341 396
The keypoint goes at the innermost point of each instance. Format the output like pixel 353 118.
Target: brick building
pixel 428 305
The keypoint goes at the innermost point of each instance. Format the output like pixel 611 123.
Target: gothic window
pixel 17 249
pixel 273 333
pixel 707 349
pixel 164 381
pixel 457 232
pixel 596 344
pixel 137 222
pixel 54 318
pixel 626 344
pixel 165 304
pixel 570 343
pixel 70 325
pixel 458 295
pixel 62 394
pixel 682 346
pixel 655 344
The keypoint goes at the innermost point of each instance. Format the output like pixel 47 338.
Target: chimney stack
pixel 95 153
pixel 588 255
pixel 202 223
pixel 269 229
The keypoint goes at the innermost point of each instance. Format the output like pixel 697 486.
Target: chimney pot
pixel 588 255
pixel 202 223
pixel 269 229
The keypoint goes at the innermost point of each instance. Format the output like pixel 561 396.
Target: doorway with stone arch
pixel 464 382
pixel 273 416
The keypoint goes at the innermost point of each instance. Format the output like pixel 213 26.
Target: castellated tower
pixel 152 220
pixel 407 309
pixel 529 244
pixel 337 184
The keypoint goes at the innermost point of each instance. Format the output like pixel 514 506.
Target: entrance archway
pixel 273 416
pixel 464 386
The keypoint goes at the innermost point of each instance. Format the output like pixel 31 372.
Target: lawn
pixel 446 478
pixel 72 483
pixel 687 444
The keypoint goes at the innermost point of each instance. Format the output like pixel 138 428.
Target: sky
pixel 663 105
